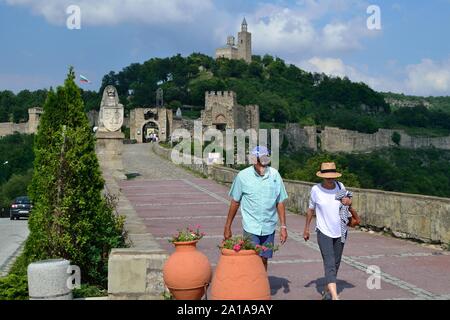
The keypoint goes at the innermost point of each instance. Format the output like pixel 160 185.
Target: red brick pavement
pixel 409 270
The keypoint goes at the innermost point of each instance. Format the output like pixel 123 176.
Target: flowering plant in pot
pixel 240 273
pixel 239 243
pixel 187 272
pixel 187 234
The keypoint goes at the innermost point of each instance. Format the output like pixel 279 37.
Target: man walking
pixel 259 191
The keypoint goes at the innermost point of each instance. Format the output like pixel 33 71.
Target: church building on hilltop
pixel 243 49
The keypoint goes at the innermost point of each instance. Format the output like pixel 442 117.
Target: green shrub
pixel 71 218
pixel 14 287
pixel 87 291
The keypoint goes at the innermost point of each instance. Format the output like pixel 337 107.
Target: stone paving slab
pixel 409 270
pixel 431 273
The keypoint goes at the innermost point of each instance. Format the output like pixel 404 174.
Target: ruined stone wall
pixel 340 140
pixel 299 137
pixel 8 128
pixel 336 140
pixel 187 124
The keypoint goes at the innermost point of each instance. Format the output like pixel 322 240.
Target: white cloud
pixel 298 30
pixel 111 12
pixel 281 30
pixel 425 78
pixel 336 67
pixel 278 29
pixel 329 66
pixel 429 77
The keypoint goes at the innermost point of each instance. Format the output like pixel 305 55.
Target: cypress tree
pixel 71 218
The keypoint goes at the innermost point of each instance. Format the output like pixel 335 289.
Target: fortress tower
pixel 243 50
pixel 245 43
pixel 223 112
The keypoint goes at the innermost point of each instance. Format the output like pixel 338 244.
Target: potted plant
pixel 187 272
pixel 240 273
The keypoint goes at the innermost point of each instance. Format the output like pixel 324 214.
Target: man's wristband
pixel 283 227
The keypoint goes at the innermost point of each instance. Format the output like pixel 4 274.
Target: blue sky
pixel 410 54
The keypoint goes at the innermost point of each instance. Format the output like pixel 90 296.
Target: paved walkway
pixel 169 198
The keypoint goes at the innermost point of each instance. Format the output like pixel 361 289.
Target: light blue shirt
pixel 258 197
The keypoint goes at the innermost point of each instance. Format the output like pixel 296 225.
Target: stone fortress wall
pixel 340 140
pixel 8 128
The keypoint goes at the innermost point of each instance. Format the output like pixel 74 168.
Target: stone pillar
pixel 48 280
pixel 109 147
pixel 136 274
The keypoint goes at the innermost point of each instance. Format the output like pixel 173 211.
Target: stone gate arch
pixel 159 119
pixel 147 128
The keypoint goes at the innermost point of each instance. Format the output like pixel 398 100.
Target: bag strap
pixel 339 184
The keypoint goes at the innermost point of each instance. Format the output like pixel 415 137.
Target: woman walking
pixel 331 225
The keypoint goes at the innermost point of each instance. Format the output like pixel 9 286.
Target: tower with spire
pixel 245 43
pixel 243 50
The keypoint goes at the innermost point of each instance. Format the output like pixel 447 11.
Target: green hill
pixel 284 93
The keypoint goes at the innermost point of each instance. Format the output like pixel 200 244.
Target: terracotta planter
pixel 240 276
pixel 187 272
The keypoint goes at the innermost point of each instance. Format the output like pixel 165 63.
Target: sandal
pixel 326 295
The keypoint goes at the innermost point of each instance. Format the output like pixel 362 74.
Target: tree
pixel 15 187
pixel 396 138
pixel 71 219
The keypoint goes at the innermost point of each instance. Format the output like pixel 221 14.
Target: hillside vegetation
pixel 16 163
pixel 423 171
pixel 284 93
pixel 434 103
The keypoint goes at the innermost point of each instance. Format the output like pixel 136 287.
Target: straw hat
pixel 328 171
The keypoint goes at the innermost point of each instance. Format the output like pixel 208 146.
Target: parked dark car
pixel 21 207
